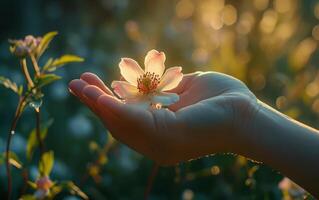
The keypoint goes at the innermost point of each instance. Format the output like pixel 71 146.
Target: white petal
pixel 130 70
pixel 165 98
pixel 154 62
pixel 171 78
pixel 124 89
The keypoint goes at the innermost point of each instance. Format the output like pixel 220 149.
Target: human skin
pixel 215 113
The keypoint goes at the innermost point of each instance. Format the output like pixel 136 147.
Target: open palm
pixel 205 120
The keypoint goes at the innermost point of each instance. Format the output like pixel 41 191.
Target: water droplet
pixel 12 132
pixel 156 106
pixel 36 104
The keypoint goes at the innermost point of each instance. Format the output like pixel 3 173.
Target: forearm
pixel 286 145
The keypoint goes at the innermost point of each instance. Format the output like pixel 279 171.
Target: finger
pixel 185 83
pixel 124 124
pixel 126 112
pixel 76 87
pixel 113 104
pixel 92 93
pixel 93 79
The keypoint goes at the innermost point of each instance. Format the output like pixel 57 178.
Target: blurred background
pixel 271 45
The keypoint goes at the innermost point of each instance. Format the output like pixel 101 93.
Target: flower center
pixel 147 82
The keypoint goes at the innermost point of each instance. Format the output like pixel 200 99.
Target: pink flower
pixel 148 87
pixel 43 185
pixel 23 47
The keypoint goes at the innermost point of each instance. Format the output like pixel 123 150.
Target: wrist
pixel 246 120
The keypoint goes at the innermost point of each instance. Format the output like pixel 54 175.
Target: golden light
pixel 282 6
pixel 184 9
pixel 132 30
pixel 315 32
pixel 200 55
pixel 258 79
pixel 212 5
pixel 216 22
pixel 312 89
pixel 302 53
pixel 268 21
pixel 315 106
pixel 215 170
pixel 188 194
pixel 209 11
pixel 284 31
pixel 281 102
pixel 261 4
pixel 246 23
pixel 229 15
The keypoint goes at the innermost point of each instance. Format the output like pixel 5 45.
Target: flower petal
pixel 124 89
pixel 154 62
pixel 171 78
pixel 130 70
pixel 165 98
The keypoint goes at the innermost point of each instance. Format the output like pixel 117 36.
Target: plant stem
pixel 25 176
pixel 150 181
pixel 38 131
pixel 35 65
pixel 11 132
pixel 25 71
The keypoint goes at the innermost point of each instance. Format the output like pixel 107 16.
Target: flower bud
pixel 21 48
pixel 44 183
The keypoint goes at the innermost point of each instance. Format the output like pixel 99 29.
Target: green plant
pixel 31 49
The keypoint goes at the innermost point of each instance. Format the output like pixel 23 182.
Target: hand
pixel 208 118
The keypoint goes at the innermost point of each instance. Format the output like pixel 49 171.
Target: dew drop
pixel 156 106
pixel 12 132
pixel 36 104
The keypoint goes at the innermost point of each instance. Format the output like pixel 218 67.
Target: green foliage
pixel 32 184
pixel 33 141
pixel 46 163
pixel 52 65
pixel 13 159
pixel 11 85
pixel 31 48
pixel 46 79
pixel 73 189
pixel 47 38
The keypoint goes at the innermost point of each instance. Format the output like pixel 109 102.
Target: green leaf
pixel 46 79
pixel 11 85
pixel 46 39
pixel 66 59
pixel 46 163
pixel 32 184
pixel 75 190
pixel 52 65
pixel 13 159
pixel 33 141
pixel 47 64
pixel 55 190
